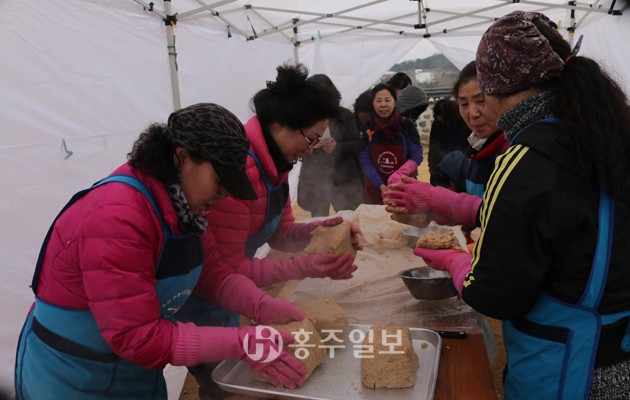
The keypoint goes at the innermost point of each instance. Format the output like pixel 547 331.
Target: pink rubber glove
pixel 325 265
pixel 448 206
pixel 258 346
pixel 264 272
pixel 406 169
pixel 239 294
pixel 455 262
pixel 302 232
pixel 268 358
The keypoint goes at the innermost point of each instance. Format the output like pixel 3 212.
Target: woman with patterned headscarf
pixel 552 259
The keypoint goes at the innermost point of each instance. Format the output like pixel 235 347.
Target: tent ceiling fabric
pixel 89 75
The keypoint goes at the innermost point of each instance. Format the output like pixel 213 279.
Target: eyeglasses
pixel 311 142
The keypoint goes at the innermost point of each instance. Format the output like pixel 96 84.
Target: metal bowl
pixel 412 233
pixel 425 283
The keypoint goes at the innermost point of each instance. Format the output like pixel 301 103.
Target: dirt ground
pixel 190 389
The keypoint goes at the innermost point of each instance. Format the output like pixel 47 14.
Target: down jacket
pixel 233 221
pixel 102 256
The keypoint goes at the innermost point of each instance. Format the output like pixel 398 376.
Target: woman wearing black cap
pixel 552 260
pixel 122 258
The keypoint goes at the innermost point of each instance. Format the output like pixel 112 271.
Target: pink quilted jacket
pixel 102 256
pixel 233 221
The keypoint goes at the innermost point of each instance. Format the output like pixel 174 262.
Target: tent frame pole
pixel 296 41
pixel 170 22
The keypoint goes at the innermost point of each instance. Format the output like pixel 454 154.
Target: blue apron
pixel 277 197
pixel 206 313
pixel 551 351
pixel 61 353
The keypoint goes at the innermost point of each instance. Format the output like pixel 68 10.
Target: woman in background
pixel 448 133
pixel 399 81
pixel 411 102
pixel 331 175
pixel 363 112
pixel 393 147
pixel 487 143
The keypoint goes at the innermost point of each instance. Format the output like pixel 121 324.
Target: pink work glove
pixel 258 346
pixel 268 271
pixel 455 262
pixel 325 265
pixel 301 233
pixel 265 355
pixel 406 169
pixel 449 207
pixel 239 294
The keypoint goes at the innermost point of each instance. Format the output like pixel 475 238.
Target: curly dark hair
pixel 594 111
pixel 294 101
pixel 152 153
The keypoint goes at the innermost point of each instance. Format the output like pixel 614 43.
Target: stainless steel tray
pixel 340 378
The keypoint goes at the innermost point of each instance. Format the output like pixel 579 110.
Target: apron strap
pixel 601 261
pixel 120 178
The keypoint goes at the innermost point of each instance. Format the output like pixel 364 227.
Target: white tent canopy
pixel 81 79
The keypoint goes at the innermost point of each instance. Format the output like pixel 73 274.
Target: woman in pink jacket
pixel 291 115
pixel 122 258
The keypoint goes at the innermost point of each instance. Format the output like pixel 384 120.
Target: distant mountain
pixel 431 62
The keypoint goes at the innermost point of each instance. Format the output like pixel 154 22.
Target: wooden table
pixel 464 372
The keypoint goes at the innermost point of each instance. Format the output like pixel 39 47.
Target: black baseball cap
pixel 214 134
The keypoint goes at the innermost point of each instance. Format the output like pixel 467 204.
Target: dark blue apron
pixel 205 313
pixel 61 353
pixel 277 197
pixel 551 351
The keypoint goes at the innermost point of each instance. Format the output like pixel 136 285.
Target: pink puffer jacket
pixel 102 256
pixel 233 221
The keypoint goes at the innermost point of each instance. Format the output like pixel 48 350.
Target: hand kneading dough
pixel 390 370
pixel 328 316
pixel 444 240
pixel 334 239
pixel 316 354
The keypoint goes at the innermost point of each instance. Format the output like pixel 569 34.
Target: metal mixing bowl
pixel 428 284
pixel 412 233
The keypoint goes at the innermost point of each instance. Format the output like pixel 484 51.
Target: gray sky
pixel 422 50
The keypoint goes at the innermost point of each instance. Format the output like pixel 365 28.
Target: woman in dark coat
pixel 332 174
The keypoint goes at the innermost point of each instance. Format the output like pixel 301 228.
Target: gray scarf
pixel 526 113
pixel 188 222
